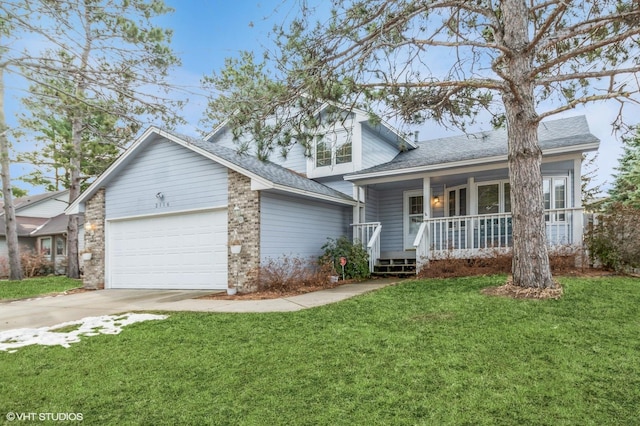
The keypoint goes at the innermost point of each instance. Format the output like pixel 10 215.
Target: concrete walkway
pixel 48 311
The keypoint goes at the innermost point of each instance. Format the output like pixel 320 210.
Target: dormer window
pixel 333 148
pixel 343 152
pixel 323 152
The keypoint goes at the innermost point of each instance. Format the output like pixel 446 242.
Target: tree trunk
pixel 73 266
pixel 78 117
pixel 530 265
pixel 15 268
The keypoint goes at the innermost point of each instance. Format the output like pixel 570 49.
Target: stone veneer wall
pixel 94 241
pixel 243 267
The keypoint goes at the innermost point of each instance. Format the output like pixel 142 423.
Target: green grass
pixel 36 286
pixel 426 352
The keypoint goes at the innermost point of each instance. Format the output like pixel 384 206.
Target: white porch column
pixel 425 244
pixel 356 212
pixel 426 197
pixel 577 202
pixel 472 194
pixel 472 208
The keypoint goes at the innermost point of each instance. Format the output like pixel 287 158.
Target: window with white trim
pixel 61 246
pixel 44 246
pixel 334 147
pixel 494 197
pixel 555 197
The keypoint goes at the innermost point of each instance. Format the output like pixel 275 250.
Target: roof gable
pixel 266 175
pixel 386 130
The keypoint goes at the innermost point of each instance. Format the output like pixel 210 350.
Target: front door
pixel 413 216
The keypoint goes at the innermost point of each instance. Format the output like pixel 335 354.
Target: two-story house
pixel 167 212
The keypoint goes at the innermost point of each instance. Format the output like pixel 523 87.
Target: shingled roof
pixel 265 169
pixel 552 135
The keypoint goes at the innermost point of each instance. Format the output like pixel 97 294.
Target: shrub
pixel 4 267
pixel 561 258
pixel 357 258
pixel 613 239
pixel 289 274
pixel 35 265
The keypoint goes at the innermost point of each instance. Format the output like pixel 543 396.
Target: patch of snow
pixel 11 340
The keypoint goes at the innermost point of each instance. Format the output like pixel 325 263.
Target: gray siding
pixel 437 211
pixel 372 204
pixel 390 214
pixel 375 151
pixel 339 184
pixel 295 160
pixel 187 180
pixel 298 227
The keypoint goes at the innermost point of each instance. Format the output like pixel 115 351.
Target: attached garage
pixel 173 251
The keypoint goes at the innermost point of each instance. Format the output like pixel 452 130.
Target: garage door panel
pixel 185 251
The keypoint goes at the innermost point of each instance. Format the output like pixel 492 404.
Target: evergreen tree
pixel 626 187
pixel 104 60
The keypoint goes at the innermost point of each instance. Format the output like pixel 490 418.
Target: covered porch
pixel 404 221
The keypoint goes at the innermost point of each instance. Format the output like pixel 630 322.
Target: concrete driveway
pixel 49 311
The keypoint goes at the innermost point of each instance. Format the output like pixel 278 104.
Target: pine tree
pixel 626 187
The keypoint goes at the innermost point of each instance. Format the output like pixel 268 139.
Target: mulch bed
pixel 272 294
pixel 517 292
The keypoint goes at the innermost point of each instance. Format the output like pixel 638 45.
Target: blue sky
pixel 208 31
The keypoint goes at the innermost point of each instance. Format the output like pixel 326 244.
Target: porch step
pixel 395 266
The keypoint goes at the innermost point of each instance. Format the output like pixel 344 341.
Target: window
pixel 343 153
pixel 44 248
pixel 334 148
pixel 489 198
pixel 494 197
pixel 457 204
pixel 323 153
pixel 413 216
pixel 60 246
pixel 555 197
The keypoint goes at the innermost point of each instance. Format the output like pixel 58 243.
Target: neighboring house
pixel 42 228
pixel 163 215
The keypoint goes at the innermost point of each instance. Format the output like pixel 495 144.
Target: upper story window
pixel 323 152
pixel 343 153
pixel 335 147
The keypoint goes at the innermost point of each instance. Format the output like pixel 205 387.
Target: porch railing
pixel 465 234
pixel 368 234
pixel 421 244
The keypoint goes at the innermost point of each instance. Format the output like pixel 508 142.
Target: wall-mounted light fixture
pixel 238 214
pixel 89 226
pixel 160 196
pixel 436 200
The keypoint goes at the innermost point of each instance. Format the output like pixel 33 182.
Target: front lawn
pixel 426 352
pixel 36 287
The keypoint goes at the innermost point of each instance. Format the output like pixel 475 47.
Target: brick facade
pixel 243 266
pixel 94 241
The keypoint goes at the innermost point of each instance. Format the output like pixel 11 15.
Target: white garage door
pixel 182 251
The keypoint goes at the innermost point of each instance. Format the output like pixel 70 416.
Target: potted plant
pixel 236 246
pixel 231 291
